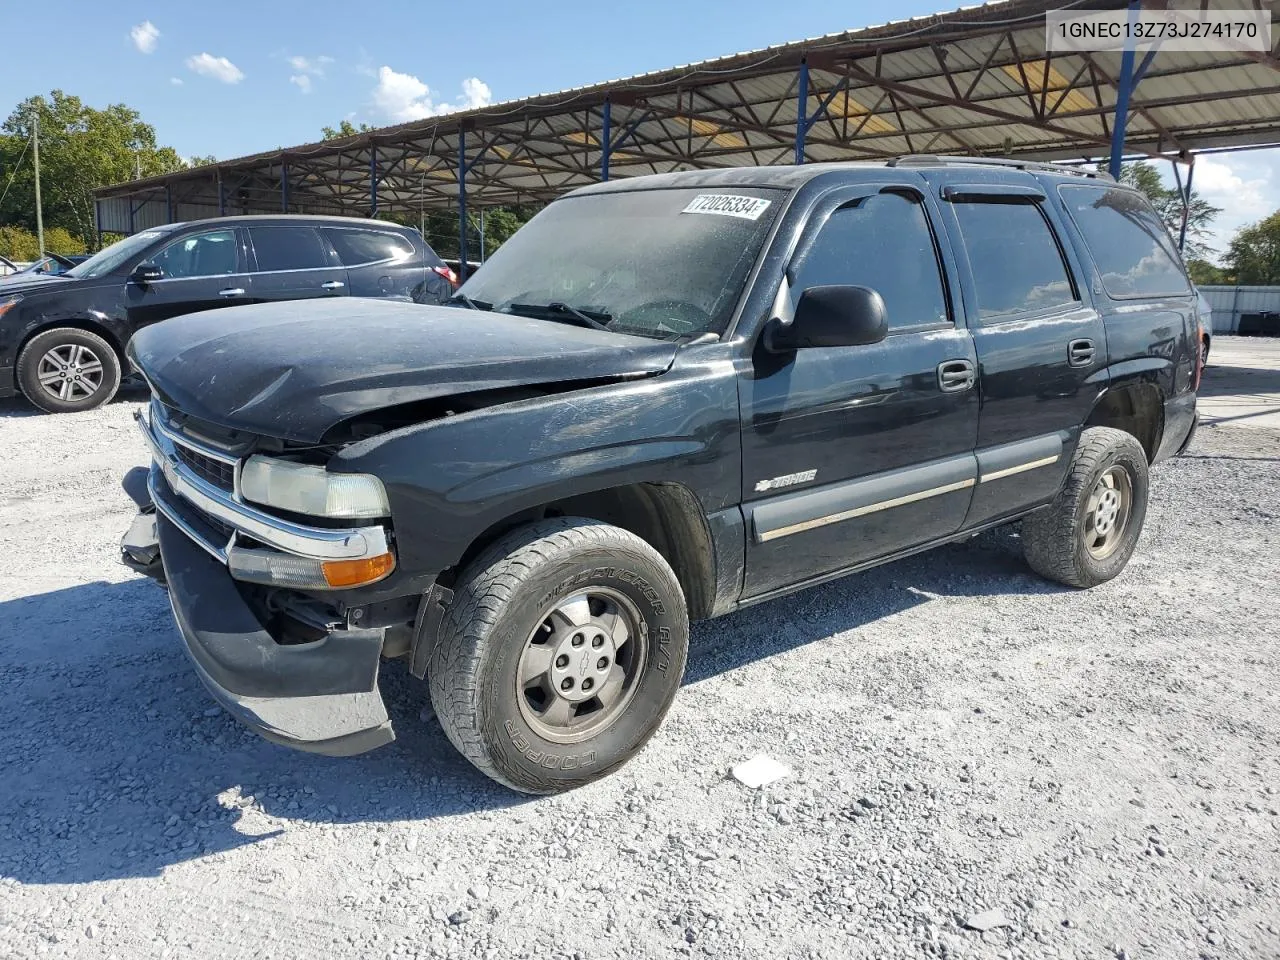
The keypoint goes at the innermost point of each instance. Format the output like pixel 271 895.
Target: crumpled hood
pixel 295 370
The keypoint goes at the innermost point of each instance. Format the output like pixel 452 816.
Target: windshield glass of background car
pixel 659 263
pixel 106 261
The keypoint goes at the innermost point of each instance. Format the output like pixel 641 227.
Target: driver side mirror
pixel 830 316
pixel 145 273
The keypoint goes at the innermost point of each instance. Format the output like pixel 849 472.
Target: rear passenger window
pixel 884 243
pixel 1016 263
pixel 290 248
pixel 1128 240
pixel 357 247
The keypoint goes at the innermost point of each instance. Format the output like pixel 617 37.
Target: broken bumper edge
pixel 321 697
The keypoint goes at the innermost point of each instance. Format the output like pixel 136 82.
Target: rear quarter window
pixel 1133 251
pixel 357 247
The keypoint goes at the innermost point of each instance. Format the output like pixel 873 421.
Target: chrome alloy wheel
pixel 1106 514
pixel 70 371
pixel 581 665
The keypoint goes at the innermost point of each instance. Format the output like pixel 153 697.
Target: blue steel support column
pixel 802 111
pixel 131 216
pixel 605 133
pixel 222 197
pixel 1186 205
pixel 462 203
pixel 373 180
pixel 1123 93
pixel 284 187
pixel 168 204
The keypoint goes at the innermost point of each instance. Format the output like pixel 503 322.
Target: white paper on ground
pixel 760 771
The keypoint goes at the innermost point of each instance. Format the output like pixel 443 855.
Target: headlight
pixel 313 491
pixel 285 570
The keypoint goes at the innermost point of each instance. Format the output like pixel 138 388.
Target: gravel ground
pixel 1101 768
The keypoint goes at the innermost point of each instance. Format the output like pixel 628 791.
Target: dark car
pixel 664 399
pixel 63 337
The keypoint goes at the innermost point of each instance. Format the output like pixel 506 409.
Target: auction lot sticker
pixel 728 205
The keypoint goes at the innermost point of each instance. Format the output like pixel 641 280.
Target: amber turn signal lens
pixel 356 573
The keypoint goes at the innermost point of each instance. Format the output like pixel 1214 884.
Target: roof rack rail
pixel 930 159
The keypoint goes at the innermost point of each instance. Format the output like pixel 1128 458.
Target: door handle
pixel 232 292
pixel 955 376
pixel 1080 352
pixel 332 285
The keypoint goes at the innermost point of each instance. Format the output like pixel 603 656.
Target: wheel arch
pixel 666 515
pixel 1137 408
pixel 88 325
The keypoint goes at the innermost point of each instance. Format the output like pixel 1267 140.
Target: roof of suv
pixel 287 218
pixel 792 177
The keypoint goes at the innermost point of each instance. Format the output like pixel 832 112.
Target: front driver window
pixel 199 255
pixel 883 242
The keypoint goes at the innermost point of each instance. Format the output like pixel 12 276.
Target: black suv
pixel 63 337
pixel 664 399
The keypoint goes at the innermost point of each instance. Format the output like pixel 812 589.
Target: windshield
pixel 109 259
pixel 657 263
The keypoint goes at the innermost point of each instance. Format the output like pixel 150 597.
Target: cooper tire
pixel 66 370
pixel 1067 541
pixel 511 600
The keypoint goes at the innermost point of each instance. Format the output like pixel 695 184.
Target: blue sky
pixel 236 77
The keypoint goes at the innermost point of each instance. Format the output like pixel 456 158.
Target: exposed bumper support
pixel 321 697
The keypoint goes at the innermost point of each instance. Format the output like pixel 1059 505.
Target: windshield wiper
pixel 462 298
pixel 560 312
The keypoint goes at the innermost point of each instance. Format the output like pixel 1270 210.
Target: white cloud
pixel 144 36
pixel 475 93
pixel 176 81
pixel 1246 186
pixel 306 69
pixel 402 97
pixel 310 65
pixel 219 68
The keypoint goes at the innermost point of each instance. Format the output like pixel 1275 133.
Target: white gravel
pixel 1101 768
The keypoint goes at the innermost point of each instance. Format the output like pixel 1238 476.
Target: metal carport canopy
pixel 974 81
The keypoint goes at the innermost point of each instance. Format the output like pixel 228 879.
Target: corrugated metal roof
pixel 973 81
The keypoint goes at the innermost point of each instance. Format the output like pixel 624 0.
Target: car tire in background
pixel 560 654
pixel 66 369
pixel 1087 535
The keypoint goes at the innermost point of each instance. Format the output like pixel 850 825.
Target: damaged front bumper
pixel 320 694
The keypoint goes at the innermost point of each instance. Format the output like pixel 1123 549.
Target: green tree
pixel 81 149
pixel 345 129
pixel 1254 254
pixel 1168 203
pixel 1203 273
pixel 18 244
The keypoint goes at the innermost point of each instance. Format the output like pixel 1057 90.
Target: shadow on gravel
pixel 987 565
pixel 13 408
pixel 116 763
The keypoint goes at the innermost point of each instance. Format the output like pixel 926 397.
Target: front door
pixel 294 262
pixel 853 453
pixel 201 271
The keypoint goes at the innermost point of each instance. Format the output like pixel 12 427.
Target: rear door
pixel 294 262
pixel 1042 350
pixel 202 271
pixel 380 263
pixel 853 453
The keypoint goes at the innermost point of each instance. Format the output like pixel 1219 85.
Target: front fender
pixel 451 479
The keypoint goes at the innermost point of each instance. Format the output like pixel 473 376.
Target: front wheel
pixel 66 370
pixel 560 654
pixel 1087 535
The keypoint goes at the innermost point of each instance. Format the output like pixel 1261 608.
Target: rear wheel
pixel 560 654
pixel 66 369
pixel 1087 535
